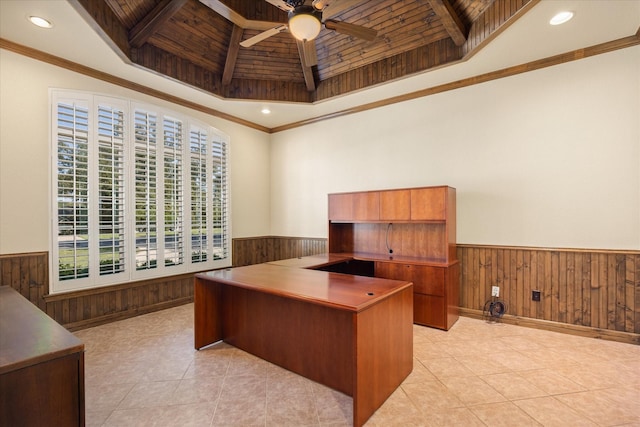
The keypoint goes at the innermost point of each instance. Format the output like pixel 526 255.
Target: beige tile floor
pixel 144 372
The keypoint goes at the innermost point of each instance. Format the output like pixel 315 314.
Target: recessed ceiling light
pixel 265 110
pixel 40 22
pixel 561 17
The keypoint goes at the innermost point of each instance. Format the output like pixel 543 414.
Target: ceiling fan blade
pixel 263 35
pixel 336 7
pixel 351 29
pixel 308 53
pixel 281 4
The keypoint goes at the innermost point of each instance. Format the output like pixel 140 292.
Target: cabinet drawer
pixel 426 279
pixel 429 310
pixel 431 280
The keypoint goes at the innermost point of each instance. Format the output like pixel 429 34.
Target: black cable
pixel 387 238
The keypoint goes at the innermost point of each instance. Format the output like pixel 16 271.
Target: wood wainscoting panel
pixel 91 307
pixel 256 250
pixel 29 275
pixel 597 289
pixel 586 292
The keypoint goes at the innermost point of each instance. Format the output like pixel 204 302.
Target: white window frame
pixel 131 273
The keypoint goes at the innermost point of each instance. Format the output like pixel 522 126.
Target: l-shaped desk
pixel 351 333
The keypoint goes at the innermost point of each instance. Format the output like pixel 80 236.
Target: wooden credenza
pixel 41 367
pixel 409 234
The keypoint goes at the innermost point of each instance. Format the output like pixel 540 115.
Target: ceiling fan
pixel 306 20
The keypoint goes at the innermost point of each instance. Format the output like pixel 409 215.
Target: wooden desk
pixel 351 333
pixel 314 262
pixel 41 367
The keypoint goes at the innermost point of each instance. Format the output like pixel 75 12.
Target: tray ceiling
pixel 197 42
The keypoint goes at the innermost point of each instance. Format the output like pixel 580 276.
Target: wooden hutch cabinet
pixel 408 234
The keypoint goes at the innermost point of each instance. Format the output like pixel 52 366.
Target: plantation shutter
pixel 111 190
pixel 133 185
pixel 146 187
pixel 199 195
pixel 72 190
pixel 173 193
pixel 220 190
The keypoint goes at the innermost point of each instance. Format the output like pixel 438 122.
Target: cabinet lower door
pixel 429 310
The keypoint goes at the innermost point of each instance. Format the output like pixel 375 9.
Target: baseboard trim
pixel 565 328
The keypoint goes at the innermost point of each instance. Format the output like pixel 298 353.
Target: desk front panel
pixel 312 340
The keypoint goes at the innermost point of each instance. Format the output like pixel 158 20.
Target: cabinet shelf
pixel 363 256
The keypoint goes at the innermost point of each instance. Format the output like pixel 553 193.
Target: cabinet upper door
pixel 363 206
pixel 395 205
pixel 366 206
pixel 429 204
pixel 341 207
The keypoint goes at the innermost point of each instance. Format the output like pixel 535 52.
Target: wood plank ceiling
pixel 198 42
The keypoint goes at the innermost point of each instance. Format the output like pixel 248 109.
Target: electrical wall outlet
pixel 495 291
pixel 535 295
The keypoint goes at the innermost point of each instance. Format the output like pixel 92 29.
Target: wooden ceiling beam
pixel 153 21
pixel 450 20
pixel 232 54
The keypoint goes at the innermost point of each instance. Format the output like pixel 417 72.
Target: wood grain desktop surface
pixel 346 291
pixel 28 336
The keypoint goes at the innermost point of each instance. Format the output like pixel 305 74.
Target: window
pixel 138 192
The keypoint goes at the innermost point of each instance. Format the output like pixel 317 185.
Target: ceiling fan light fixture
pixel 304 23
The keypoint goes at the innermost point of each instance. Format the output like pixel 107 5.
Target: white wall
pixel 549 158
pixel 24 154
